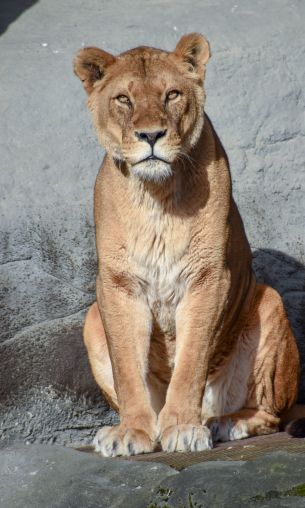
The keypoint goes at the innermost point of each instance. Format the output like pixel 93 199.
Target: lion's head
pixel 147 104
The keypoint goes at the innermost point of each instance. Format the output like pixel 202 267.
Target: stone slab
pixel 44 476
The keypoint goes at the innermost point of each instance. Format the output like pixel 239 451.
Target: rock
pixel 45 476
pixel 41 476
pixel 275 480
pixel 50 157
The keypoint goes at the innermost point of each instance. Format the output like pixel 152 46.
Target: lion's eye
pixel 173 94
pixel 123 99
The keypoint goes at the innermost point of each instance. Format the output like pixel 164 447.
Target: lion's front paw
pixel 113 441
pixel 186 438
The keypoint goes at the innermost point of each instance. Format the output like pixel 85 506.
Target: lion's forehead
pixel 137 70
pixel 142 65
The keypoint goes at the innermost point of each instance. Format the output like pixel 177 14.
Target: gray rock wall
pixel 50 157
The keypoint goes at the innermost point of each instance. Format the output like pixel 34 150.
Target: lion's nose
pixel 150 137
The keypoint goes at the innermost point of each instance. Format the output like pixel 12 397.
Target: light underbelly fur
pixel 228 389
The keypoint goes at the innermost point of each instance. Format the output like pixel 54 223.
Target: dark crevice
pixel 28 258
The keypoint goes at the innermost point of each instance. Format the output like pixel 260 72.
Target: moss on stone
pixel 298 491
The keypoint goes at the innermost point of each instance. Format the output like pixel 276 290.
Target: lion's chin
pixel 155 171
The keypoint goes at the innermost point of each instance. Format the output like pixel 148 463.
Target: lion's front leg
pixel 127 322
pixel 197 323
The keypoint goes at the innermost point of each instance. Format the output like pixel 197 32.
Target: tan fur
pixel 182 341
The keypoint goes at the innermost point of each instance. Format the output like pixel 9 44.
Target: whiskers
pixel 120 163
pixel 186 158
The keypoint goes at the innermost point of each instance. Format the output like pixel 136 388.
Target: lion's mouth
pixel 153 158
pixel 152 169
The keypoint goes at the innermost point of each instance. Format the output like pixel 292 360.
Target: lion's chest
pixel 164 292
pixel 158 253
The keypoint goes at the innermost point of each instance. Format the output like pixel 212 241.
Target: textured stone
pixel 41 476
pixel 50 157
pixel 272 480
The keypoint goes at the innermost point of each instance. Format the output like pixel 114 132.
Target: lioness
pixel 182 340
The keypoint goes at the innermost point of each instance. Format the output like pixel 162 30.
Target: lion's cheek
pixel 110 136
pixel 188 124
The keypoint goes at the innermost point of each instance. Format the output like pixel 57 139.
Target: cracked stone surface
pixel 42 476
pixel 50 157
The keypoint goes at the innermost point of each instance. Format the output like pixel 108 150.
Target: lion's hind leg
pixel 97 348
pixel 274 372
pixel 242 424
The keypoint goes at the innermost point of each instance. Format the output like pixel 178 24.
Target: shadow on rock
pixel 287 276
pixel 11 10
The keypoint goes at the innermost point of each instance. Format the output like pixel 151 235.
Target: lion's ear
pixel 194 50
pixel 90 65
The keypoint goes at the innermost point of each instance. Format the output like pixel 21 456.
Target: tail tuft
pixel 296 428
